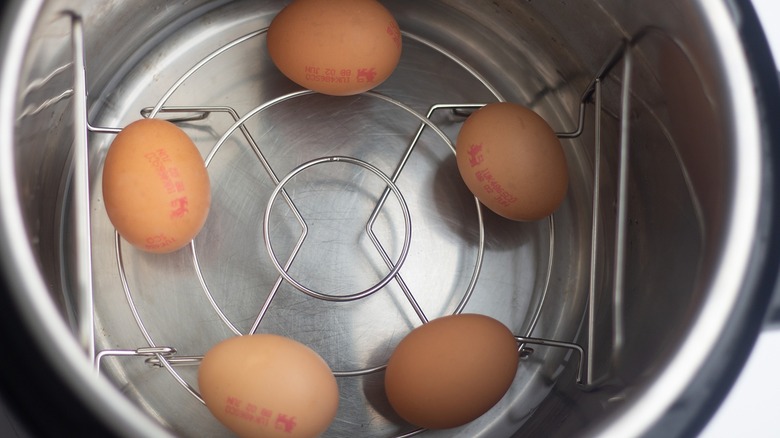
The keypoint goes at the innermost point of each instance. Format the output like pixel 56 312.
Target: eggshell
pixel 268 386
pixel 336 47
pixel 451 370
pixel 512 161
pixel 155 186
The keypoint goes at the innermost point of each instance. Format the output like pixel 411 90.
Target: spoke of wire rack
pixel 383 199
pixel 457 109
pixel 239 124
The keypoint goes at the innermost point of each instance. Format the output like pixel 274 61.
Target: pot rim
pixel 678 402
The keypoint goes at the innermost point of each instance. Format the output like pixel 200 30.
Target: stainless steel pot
pixel 633 304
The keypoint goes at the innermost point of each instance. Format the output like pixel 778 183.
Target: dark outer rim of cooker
pixel 699 402
pixel 43 404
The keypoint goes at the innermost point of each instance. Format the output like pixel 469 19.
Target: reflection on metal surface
pixel 392 253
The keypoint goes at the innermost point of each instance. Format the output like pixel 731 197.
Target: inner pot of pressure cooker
pixel 343 223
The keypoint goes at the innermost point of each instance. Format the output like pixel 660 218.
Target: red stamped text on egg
pixel 284 423
pixel 494 188
pixel 176 184
pixel 169 176
pixel 328 75
pixel 340 76
pixel 394 32
pixel 179 207
pixel 264 417
pixel 158 241
pixel 261 416
pixel 475 154
pixel 366 75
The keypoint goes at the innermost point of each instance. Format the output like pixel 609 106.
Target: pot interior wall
pixel 644 283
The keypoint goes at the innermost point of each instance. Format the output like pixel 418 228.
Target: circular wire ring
pixel 390 184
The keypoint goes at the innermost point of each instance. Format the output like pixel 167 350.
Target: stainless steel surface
pixel 82 193
pixel 646 282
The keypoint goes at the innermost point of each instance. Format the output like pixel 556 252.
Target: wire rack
pixel 166 357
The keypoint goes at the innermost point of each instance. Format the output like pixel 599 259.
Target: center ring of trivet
pixel 395 267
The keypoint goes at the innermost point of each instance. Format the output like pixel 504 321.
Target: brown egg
pixel 451 370
pixel 336 47
pixel 268 386
pixel 155 186
pixel 512 161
